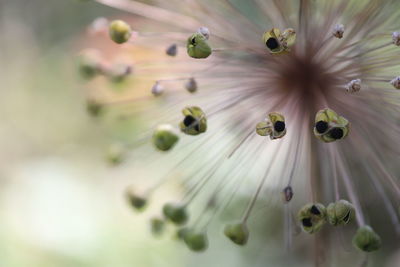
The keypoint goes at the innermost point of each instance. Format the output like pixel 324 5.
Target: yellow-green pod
pixel 194 122
pixel 366 239
pixel 312 217
pixel 238 233
pixel 165 137
pixel 329 126
pixel 120 32
pixel 271 40
pixel 274 126
pixel 198 47
pixel 341 212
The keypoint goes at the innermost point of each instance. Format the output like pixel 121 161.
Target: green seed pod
pixel 136 200
pixel 196 241
pixel 341 212
pixel 312 217
pixel 115 154
pixel 172 50
pixel 274 126
pixel 329 126
pixel 120 32
pixel 195 121
pixel 176 213
pixel 94 108
pixel 89 64
pixel 237 233
pixel 198 47
pixel 165 137
pixel 181 232
pixel 157 226
pixel 366 239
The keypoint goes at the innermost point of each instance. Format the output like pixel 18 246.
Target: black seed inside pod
pixel 314 210
pixel 272 43
pixel 279 126
pixel 336 133
pixel 190 121
pixel 321 126
pixel 306 222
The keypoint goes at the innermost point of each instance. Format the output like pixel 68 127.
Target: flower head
pixel 282 72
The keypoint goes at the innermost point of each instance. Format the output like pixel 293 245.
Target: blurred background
pixel 61 203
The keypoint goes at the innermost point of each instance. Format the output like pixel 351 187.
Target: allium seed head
pixel 279 72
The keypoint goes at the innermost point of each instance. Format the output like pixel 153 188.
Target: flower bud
pixel 195 121
pixel 396 38
pixel 274 126
pixel 366 239
pixel 136 200
pixel 338 31
pixel 172 50
pixel 176 213
pixel 396 82
pixel 120 32
pixel 157 89
pixel 237 233
pixel 341 212
pixel 287 194
pixel 191 85
pixel 204 31
pixel 165 137
pixel 157 226
pixel 196 241
pixel 354 86
pixel 312 217
pixel 198 47
pixel 329 126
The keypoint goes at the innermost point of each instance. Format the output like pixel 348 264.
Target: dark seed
pixel 189 120
pixel 306 222
pixel 347 217
pixel 279 126
pixel 314 210
pixel 272 43
pixel 336 133
pixel 321 126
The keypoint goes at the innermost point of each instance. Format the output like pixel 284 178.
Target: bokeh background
pixel 61 203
